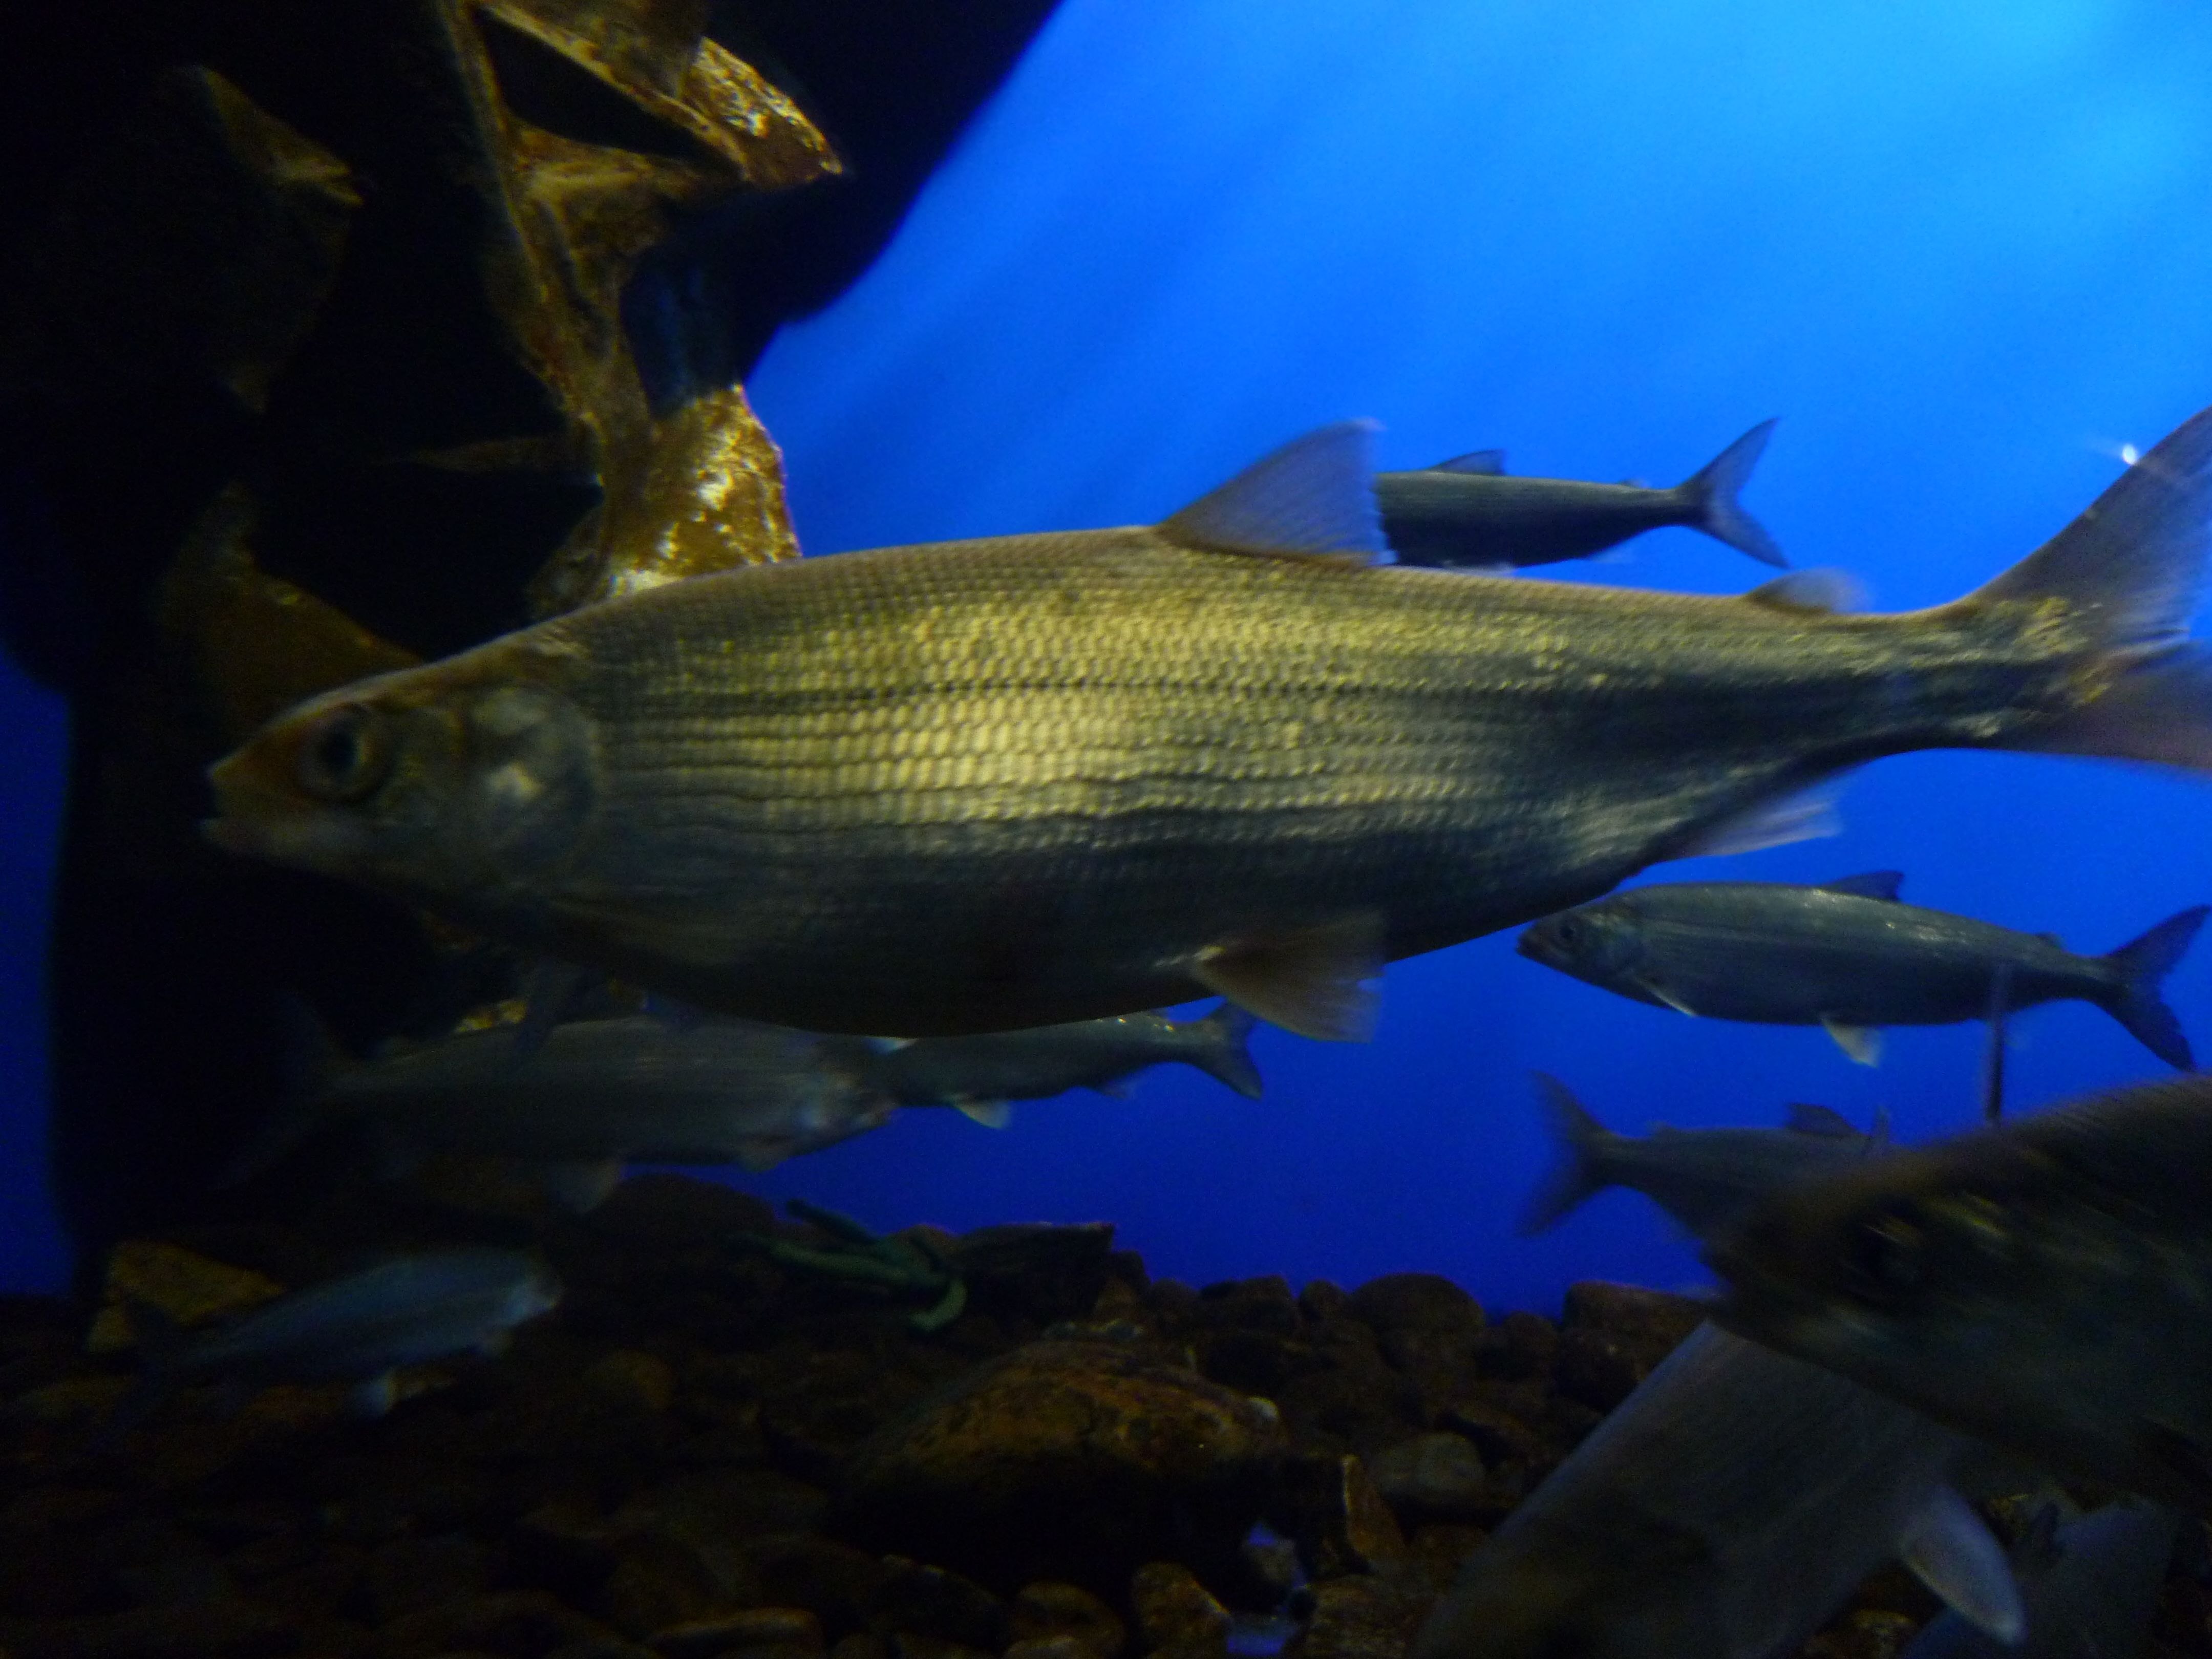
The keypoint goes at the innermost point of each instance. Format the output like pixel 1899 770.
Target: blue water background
pixel 1962 250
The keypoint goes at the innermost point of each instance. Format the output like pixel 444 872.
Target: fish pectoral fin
pixel 1862 1043
pixel 1810 592
pixel 1313 980
pixel 1805 816
pixel 375 1396
pixel 1658 992
pixel 1949 1550
pixel 1313 498
pixel 1483 463
pixel 1873 885
pixel 991 1114
pixel 579 1185
pixel 1824 1121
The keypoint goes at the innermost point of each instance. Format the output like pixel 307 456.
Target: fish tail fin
pixel 2132 566
pixel 313 1060
pixel 1710 494
pixel 2140 965
pixel 1222 1052
pixel 1580 1172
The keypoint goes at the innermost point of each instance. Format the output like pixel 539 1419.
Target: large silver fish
pixel 2045 1284
pixel 1723 1511
pixel 2088 1588
pixel 1468 513
pixel 1849 956
pixel 1036 779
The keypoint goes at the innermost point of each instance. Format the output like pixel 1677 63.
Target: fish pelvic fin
pixel 1222 1052
pixel 1312 981
pixel 1313 498
pixel 1581 1172
pixel 2140 965
pixel 1710 496
pixel 1950 1551
pixel 1862 1043
pixel 2133 566
pixel 991 1114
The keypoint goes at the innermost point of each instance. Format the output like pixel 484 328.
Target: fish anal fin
pixel 1811 592
pixel 1873 885
pixel 1824 1121
pixel 1312 981
pixel 1480 463
pixel 1862 1043
pixel 1313 498
pixel 1949 1550
pixel 1804 815
pixel 991 1114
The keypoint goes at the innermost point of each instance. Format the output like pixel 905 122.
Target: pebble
pixel 1175 1614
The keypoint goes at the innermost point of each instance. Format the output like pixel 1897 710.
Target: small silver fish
pixel 2043 1283
pixel 1030 780
pixel 980 1074
pixel 593 1095
pixel 358 1330
pixel 1467 513
pixel 1849 957
pixel 1722 1511
pixel 1706 1179
pixel 2089 1587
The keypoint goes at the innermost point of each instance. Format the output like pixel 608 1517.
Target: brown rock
pixel 1360 1618
pixel 1438 1551
pixel 642 1382
pixel 1863 1635
pixel 512 1622
pixel 861 1645
pixel 200 1629
pixel 911 1644
pixel 409 1574
pixel 1594 1369
pixel 924 1601
pixel 1517 1347
pixel 1416 1302
pixel 1432 1477
pixel 660 1581
pixel 779 1630
pixel 1047 1611
pixel 1645 1324
pixel 835 1582
pixel 1174 1613
pixel 1252 1304
pixel 1340 1520
pixel 1036 1273
pixel 1049 1647
pixel 1324 1299
pixel 1074 1461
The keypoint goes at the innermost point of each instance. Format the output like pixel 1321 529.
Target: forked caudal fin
pixel 2135 1002
pixel 1711 496
pixel 2132 566
pixel 1580 1173
pixel 1221 1053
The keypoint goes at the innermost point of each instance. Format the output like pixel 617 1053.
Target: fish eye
pixel 1570 932
pixel 346 755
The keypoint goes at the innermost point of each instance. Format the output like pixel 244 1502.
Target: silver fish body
pixel 1722 1511
pixel 1847 954
pixel 1050 1059
pixel 2043 1283
pixel 1033 779
pixel 2089 1589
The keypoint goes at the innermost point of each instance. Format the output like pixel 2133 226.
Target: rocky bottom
pixel 721 1445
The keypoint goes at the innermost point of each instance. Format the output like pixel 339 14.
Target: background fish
pixel 1467 513
pixel 1849 957
pixel 980 1074
pixel 2043 1283
pixel 1706 1179
pixel 358 1330
pixel 595 1094
pixel 1723 1511
pixel 2088 1589
pixel 1030 780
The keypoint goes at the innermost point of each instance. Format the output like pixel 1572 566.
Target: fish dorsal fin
pixel 1873 885
pixel 1823 1120
pixel 1483 463
pixel 1314 497
pixel 1805 816
pixel 1862 1043
pixel 1810 592
pixel 1950 1551
pixel 1312 981
pixel 991 1114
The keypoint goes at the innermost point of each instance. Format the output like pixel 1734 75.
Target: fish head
pixel 1601 943
pixel 443 784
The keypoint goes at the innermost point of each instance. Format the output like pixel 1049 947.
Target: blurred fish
pixel 2088 1589
pixel 357 1329
pixel 1037 778
pixel 980 1074
pixel 1706 1179
pixel 1848 956
pixel 596 1094
pixel 2043 1283
pixel 1722 1511
pixel 1467 513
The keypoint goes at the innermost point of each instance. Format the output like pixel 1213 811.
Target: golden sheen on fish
pixel 1034 778
pixel 2045 1284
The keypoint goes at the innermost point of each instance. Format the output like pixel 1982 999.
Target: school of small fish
pixel 941 825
